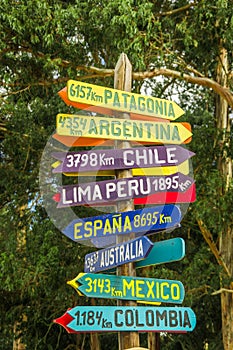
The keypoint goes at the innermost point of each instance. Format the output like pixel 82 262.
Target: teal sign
pixel 127 318
pixel 128 288
pixel 162 252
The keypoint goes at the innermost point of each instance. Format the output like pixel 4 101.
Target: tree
pixel 44 43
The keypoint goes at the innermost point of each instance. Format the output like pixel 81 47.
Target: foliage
pixel 43 44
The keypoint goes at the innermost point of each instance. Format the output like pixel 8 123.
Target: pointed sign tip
pixel 56 197
pixel 64 320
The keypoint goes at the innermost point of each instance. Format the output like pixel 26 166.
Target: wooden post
pixel 123 81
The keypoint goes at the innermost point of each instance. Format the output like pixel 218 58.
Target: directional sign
pixel 120 254
pixel 121 189
pixel 112 159
pixel 128 288
pixel 73 141
pixel 145 220
pixel 102 110
pixel 120 129
pixel 167 170
pixel 122 101
pixel 163 252
pixel 168 197
pixel 128 318
pixel 158 198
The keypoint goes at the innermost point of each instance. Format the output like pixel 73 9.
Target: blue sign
pixel 163 252
pixel 138 221
pixel 127 318
pixel 120 254
pixel 128 288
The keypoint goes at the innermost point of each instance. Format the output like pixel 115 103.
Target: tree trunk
pixel 225 169
pixel 21 245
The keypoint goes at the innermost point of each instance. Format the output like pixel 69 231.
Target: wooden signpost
pixel 153 175
pixel 128 318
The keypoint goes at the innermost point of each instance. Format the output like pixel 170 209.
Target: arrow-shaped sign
pixel 139 221
pixel 121 189
pixel 163 252
pixel 74 141
pixel 167 170
pixel 117 255
pixel 119 129
pixel 102 110
pixel 122 101
pixel 128 288
pixel 158 198
pixel 168 197
pixel 128 318
pixel 161 157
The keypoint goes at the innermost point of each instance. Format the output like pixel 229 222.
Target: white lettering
pixel 110 187
pixel 171 156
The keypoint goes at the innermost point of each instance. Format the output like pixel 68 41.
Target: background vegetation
pixel 44 43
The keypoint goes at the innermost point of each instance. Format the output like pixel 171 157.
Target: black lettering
pixel 186 320
pixel 118 324
pixel 129 319
pixel 150 319
pixel 161 317
pixel 137 319
pixel 173 321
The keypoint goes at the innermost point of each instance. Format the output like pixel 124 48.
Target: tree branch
pixel 180 9
pixel 209 240
pixel 222 290
pixel 203 81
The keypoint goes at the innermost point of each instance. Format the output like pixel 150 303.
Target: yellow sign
pixel 122 101
pixel 120 129
pixel 166 170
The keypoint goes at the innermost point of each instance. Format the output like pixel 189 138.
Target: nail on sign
pixel 121 189
pixel 127 318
